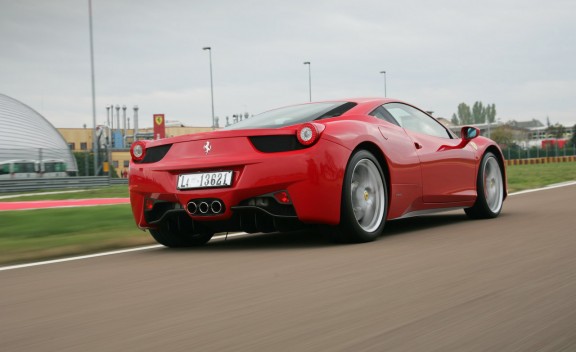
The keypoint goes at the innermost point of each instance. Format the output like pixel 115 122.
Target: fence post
pixel 39 171
pixel 85 163
pixel 556 154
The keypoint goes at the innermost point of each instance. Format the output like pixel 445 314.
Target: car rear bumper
pixel 312 177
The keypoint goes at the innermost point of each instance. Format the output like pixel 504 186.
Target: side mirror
pixel 468 133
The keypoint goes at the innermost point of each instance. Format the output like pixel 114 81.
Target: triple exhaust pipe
pixel 205 207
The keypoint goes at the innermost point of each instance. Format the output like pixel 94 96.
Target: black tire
pixel 180 232
pixel 490 187
pixel 364 189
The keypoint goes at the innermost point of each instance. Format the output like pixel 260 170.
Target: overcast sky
pixel 517 54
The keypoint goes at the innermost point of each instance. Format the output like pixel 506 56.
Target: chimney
pixel 135 121
pixel 118 117
pixel 124 119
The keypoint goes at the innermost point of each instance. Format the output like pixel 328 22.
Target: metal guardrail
pixel 36 184
pixel 118 181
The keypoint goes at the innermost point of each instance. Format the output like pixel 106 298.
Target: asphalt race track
pixel 439 283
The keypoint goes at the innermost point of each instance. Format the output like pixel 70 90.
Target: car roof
pixel 366 104
pixel 363 100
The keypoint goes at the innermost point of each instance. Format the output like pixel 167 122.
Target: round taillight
pixel 307 134
pixel 138 150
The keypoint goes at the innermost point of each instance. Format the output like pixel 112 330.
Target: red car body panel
pixel 422 172
pixel 302 173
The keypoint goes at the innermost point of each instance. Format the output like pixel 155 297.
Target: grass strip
pixel 522 177
pixel 47 233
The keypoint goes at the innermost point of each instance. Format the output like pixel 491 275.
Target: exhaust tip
pixel 203 207
pixel 192 207
pixel 216 207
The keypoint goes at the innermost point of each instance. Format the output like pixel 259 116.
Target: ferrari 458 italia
pixel 348 166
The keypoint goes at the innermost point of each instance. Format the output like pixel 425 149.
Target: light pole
pixel 384 73
pixel 108 133
pixel 309 79
pixel 211 83
pixel 94 141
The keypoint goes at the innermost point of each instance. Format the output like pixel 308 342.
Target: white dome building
pixel 27 135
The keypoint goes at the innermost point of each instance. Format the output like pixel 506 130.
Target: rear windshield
pixel 292 115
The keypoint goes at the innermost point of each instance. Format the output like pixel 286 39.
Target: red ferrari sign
pixel 159 126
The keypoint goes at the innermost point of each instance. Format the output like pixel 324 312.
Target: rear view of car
pixel 261 175
pixel 348 166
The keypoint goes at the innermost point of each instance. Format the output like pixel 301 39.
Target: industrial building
pixel 27 135
pixel 80 140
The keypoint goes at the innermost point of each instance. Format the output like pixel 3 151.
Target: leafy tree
pixel 490 113
pixel 455 120
pixel 556 131
pixel 113 172
pixel 85 162
pixel 573 139
pixel 464 114
pixel 478 113
pixel 502 135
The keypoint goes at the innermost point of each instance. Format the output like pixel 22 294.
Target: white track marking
pixel 556 185
pixel 47 262
pixel 88 256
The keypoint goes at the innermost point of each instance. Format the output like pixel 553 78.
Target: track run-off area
pixel 434 283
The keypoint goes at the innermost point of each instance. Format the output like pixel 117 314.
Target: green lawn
pixel 47 233
pixel 521 177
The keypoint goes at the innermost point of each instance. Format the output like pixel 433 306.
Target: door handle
pixel 418 145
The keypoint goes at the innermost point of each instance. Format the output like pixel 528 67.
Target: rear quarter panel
pixel 404 178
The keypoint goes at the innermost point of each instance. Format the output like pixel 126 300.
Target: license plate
pixel 205 180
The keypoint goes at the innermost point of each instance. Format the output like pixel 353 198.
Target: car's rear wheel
pixel 490 188
pixel 364 200
pixel 180 232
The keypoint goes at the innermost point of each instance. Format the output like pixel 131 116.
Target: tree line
pixel 507 135
pixel 479 113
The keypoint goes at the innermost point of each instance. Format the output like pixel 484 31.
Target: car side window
pixel 382 114
pixel 415 120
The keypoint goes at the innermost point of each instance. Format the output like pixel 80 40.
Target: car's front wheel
pixel 490 189
pixel 364 200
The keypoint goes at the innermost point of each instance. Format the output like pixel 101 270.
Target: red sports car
pixel 349 165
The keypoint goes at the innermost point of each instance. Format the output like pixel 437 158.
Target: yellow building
pixel 80 140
